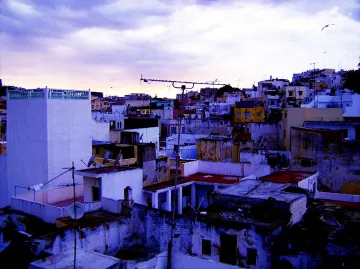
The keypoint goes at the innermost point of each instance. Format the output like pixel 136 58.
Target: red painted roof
pixel 287 176
pixel 68 202
pixel 347 205
pixel 199 177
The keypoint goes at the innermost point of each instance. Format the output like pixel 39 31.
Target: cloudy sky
pixel 105 45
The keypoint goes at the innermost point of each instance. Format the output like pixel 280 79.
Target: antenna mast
pixel 183 87
pixel 314 74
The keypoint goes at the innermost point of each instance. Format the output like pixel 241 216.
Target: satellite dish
pixel 91 160
pixel 107 156
pixel 119 157
pixel 77 208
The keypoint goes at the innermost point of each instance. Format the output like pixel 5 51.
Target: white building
pixel 47 130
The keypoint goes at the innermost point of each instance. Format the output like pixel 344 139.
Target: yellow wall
pixel 257 114
pixel 296 116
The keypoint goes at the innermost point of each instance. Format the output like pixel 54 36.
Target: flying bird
pixel 326 26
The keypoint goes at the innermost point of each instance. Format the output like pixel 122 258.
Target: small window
pixel 300 93
pixel 206 247
pixel 272 102
pixel 183 130
pixel 290 93
pixel 251 256
pixel 173 130
pixel 239 114
pixel 247 115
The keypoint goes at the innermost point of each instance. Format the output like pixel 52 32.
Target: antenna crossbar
pixel 173 82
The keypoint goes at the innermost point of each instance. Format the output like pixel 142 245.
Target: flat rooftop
pixel 256 189
pixel 91 219
pixel 97 172
pixel 287 176
pixel 198 177
pixel 68 202
pixel 84 259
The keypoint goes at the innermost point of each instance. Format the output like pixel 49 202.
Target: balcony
pixel 51 204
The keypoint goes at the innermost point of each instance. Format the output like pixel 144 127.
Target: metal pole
pixel 74 223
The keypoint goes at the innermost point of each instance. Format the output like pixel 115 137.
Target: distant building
pixel 298 95
pixel 206 93
pixel 249 111
pixel 295 117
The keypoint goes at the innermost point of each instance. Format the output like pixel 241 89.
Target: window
pixel 251 256
pixel 173 130
pixel 272 102
pixel 206 247
pixel 290 93
pixel 183 130
pixel 239 114
pixel 247 115
pixel 300 93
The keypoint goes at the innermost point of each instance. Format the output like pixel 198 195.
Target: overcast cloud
pixel 103 44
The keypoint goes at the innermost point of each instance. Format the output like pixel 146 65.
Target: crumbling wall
pixel 106 238
pixel 213 149
pixel 247 238
pixel 324 151
pixel 268 133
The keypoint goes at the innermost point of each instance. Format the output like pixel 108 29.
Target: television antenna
pixel 183 85
pixel 76 208
pixel 119 158
pixel 91 161
pixel 107 156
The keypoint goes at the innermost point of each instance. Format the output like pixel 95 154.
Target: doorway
pixel 95 193
pixel 228 244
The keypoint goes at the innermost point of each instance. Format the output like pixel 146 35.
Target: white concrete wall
pixel 27 143
pixel 53 195
pixel 260 156
pixel 298 209
pixel 113 185
pixel 259 170
pixel 228 169
pixel 88 183
pixel 4 188
pixel 308 183
pixel 47 213
pixel 150 135
pixel 100 131
pixel 111 205
pixel 69 135
pixel 182 261
pixel 118 109
pixel 44 136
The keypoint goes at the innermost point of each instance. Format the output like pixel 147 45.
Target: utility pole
pixel 183 87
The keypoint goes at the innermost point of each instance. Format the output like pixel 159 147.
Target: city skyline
pixel 106 45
